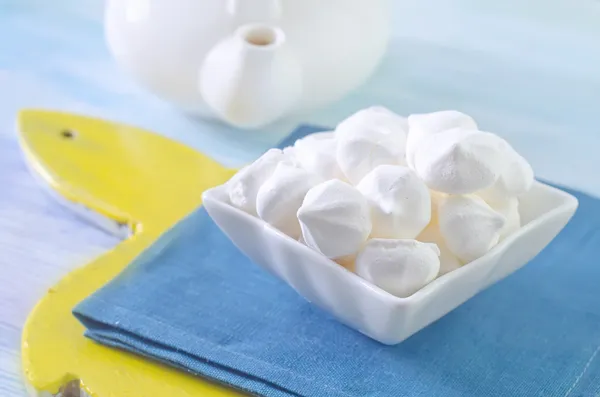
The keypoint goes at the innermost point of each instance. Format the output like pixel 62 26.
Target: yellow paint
pixel 132 176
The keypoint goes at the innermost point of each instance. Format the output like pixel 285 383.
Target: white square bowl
pixel 365 307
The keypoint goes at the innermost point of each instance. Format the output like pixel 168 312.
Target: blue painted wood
pixel 528 70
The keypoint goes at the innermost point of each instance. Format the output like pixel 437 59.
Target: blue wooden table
pixel 529 71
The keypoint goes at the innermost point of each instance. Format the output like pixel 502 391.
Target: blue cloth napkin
pixel 193 301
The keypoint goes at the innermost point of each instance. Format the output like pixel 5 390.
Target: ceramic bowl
pixel 365 307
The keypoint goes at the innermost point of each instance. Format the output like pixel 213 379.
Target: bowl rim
pixel 568 203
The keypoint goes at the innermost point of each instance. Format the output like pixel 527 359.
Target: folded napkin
pixel 193 301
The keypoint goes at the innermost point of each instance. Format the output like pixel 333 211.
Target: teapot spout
pixel 251 78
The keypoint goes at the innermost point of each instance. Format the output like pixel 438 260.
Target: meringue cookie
pixel 317 153
pixel 400 202
pixel 280 197
pixel 469 226
pixel 243 186
pixel 515 179
pixel 400 267
pixel 460 161
pixel 432 234
pixel 369 138
pixel 420 126
pixel 334 219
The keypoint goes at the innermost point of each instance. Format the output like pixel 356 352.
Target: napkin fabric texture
pixel 195 302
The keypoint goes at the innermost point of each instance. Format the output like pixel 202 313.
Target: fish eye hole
pixel 67 134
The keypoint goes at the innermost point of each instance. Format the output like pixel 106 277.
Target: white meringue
pixel 432 234
pixel 281 195
pixel 420 126
pixel 460 161
pixel 469 226
pixel 515 178
pixel 400 267
pixel 400 202
pixel 243 186
pixel 335 219
pixel 369 138
pixel 317 153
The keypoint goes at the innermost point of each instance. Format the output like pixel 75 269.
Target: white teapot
pixel 248 62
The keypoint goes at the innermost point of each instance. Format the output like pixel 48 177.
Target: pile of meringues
pixel 399 201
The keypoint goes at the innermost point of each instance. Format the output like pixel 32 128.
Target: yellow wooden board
pixel 135 178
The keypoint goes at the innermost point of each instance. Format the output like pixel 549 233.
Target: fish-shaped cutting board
pixel 136 184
